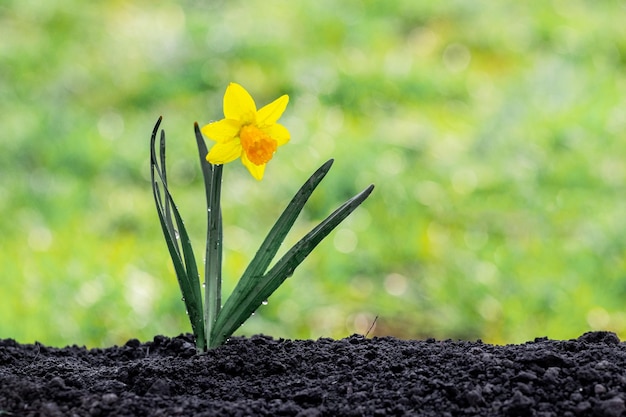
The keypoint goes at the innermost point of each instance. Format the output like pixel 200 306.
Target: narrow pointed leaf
pixel 273 241
pixel 212 175
pixel 163 174
pixel 207 168
pixel 279 231
pixel 264 286
pixel 186 270
pixel 213 283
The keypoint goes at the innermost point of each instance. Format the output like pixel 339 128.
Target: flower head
pixel 245 132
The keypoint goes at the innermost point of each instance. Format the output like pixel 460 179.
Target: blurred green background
pixel 495 132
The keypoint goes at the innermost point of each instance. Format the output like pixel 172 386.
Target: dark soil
pixel 260 376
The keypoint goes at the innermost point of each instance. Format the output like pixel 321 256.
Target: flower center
pixel 258 146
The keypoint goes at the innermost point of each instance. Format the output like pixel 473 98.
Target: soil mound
pixel 261 376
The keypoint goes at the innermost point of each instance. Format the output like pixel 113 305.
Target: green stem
pixel 213 263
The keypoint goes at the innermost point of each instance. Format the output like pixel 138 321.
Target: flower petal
pixel 238 104
pixel 269 114
pixel 256 171
pixel 224 152
pixel 222 131
pixel 278 132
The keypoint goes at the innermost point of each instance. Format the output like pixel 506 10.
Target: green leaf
pixel 207 168
pixel 277 234
pixel 167 210
pixel 213 256
pixel 255 286
pixel 267 250
pixel 185 267
pixel 287 264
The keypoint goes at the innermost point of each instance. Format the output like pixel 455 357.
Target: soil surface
pixel 260 376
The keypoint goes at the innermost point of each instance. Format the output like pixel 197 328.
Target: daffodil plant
pixel 253 136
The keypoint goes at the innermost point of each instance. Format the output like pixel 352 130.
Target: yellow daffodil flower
pixel 245 132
